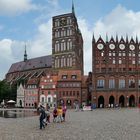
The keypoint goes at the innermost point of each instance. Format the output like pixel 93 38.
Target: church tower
pixel 67 43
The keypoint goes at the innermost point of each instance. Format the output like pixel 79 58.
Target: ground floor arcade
pixel 102 99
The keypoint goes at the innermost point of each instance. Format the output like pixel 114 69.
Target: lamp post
pixel 127 100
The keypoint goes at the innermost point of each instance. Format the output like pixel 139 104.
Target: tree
pixel 4 90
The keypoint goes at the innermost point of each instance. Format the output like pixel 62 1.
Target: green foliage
pixel 6 91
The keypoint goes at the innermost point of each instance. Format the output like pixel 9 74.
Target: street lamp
pixel 127 100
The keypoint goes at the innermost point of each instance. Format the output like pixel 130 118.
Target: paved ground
pixel 99 124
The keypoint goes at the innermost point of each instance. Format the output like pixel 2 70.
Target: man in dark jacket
pixel 42 116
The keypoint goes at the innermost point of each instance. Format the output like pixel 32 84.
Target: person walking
pixel 59 111
pixel 42 116
pixel 64 109
pixel 47 112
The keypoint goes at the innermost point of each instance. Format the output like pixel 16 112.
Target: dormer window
pixel 73 76
pixel 64 76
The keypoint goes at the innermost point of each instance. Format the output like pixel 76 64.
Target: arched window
pixel 68 44
pixel 57 46
pixel 70 61
pixel 64 62
pixel 61 62
pixel 100 82
pixel 111 83
pixel 69 31
pixel 69 20
pixel 63 45
pixel 122 83
pixel 131 82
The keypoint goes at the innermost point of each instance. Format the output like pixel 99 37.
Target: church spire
pixel 73 11
pixel 25 54
pixel 93 38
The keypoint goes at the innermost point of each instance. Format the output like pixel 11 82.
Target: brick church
pixel 66 62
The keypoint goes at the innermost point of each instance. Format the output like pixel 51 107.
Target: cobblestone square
pixel 99 124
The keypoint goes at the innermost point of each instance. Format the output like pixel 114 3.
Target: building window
pixel 63 45
pixel 131 83
pixel 121 83
pixel 69 44
pixel 111 83
pixel 73 76
pixel 64 76
pixel 70 61
pixel 133 62
pixel 77 93
pixel 113 62
pixel 64 61
pixel 120 61
pixel 69 20
pixel 70 93
pixel 61 62
pixel 100 83
pixel 49 99
pixel 139 83
pixel 69 31
pixel 42 99
pixel 73 93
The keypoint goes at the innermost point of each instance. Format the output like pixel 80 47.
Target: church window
pixel 58 63
pixel 61 62
pixel 70 61
pixel 64 62
pixel 64 46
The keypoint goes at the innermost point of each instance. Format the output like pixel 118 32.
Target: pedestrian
pixel 55 115
pixel 42 116
pixel 59 112
pixel 47 112
pixel 64 109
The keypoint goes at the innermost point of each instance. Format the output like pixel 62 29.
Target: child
pixel 59 112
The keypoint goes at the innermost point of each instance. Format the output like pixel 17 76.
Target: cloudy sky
pixel 29 21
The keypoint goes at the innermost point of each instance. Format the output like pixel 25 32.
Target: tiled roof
pixel 38 62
